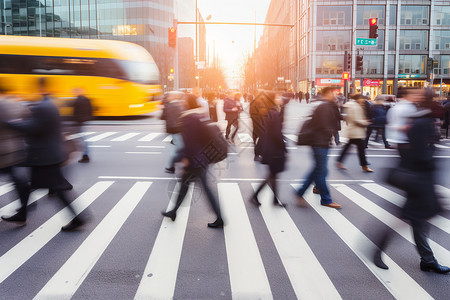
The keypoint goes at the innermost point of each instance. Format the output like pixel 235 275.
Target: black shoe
pixel 257 158
pixel 170 170
pixel 434 266
pixel 217 224
pixel 388 147
pixel 72 225
pixel 170 214
pixel 276 202
pixel 255 200
pixel 378 261
pixel 84 159
pixel 17 218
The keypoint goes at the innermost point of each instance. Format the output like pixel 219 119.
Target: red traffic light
pixel 172 29
pixel 345 75
pixel 171 70
pixel 373 21
pixel 172 37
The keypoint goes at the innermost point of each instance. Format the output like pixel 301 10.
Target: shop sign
pixel 370 82
pixel 329 81
pixel 408 75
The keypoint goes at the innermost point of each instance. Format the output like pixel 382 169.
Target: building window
pixel 412 64
pixel 442 15
pixel 392 39
pixel 373 64
pixel 380 40
pixel 442 40
pixel 414 15
pixel 444 65
pixel 334 15
pixel 365 12
pixel 333 40
pixel 391 64
pixel 393 15
pixel 329 65
pixel 413 40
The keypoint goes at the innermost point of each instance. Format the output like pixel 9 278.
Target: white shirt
pixel 398 117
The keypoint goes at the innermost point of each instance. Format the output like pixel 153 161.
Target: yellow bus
pixel 120 78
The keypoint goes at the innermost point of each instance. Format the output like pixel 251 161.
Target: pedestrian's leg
pixel 368 134
pixel 254 198
pixel 273 185
pixel 22 187
pixel 212 200
pixel 420 231
pixel 228 129
pixel 309 179
pixel 344 151
pixel 321 155
pixel 185 181
pixel 382 245
pixel 361 152
pixel 383 135
pixel 236 125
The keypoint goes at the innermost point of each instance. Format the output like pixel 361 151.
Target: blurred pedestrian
pixel 307 97
pixel 197 92
pixel 12 150
pixel 273 147
pixel 212 103
pixel 82 112
pixel 173 107
pixel 232 108
pixel 195 163
pixel 356 131
pixel 421 199
pixel 257 111
pixel 324 124
pixel 45 154
pixel 378 121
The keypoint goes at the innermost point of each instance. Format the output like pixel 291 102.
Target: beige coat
pixel 356 120
pixel 12 146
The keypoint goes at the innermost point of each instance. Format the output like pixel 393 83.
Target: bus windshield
pixel 141 72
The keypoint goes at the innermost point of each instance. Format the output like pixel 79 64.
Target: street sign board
pixel 408 76
pixel 366 42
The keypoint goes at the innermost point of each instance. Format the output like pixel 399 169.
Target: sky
pixel 233 43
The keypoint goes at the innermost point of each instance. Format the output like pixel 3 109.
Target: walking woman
pixel 273 147
pixel 356 131
pixel 232 107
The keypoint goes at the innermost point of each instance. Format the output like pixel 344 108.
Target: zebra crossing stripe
pixel 441 146
pixel 149 137
pixel 292 137
pixel 125 137
pixel 100 137
pixel 11 207
pixel 446 193
pixel 399 226
pixel 396 280
pixel 398 200
pixel 305 272
pixel 167 139
pixel 245 138
pixel 6 188
pixel 248 277
pixel 160 274
pixel 71 275
pixel 25 249
pixel 80 134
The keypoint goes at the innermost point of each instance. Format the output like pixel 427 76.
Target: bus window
pixel 141 72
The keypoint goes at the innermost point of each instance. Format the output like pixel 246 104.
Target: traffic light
pixel 359 63
pixel 172 37
pixel 347 61
pixel 346 75
pixel 373 27
pixel 171 70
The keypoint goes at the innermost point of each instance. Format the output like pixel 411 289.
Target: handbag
pixel 306 134
pixel 402 178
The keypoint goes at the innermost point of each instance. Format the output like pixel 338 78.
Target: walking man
pixel 232 107
pixel 82 112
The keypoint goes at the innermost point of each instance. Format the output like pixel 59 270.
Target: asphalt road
pixel 127 250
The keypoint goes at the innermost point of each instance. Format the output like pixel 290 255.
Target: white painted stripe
pixel 445 192
pixel 367 155
pixel 168 139
pixel 149 137
pixel 245 138
pixel 292 137
pixel 375 143
pixel 305 272
pixel 25 249
pixel 291 148
pixel 248 277
pixel 100 137
pixel 441 146
pixel 80 134
pixel 399 226
pixel 398 200
pixel 143 153
pixel 6 188
pixel 71 275
pixel 11 208
pixel 98 146
pixel 160 274
pixel 125 137
pixel 153 147
pixel 397 281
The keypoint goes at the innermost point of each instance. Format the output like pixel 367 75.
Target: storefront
pixel 371 87
pixel 334 82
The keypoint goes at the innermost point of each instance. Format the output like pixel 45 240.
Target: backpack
pixel 216 147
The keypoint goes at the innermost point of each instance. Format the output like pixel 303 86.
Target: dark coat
pixel 82 110
pixel 378 113
pixel 422 202
pixel 257 111
pixel 273 147
pixel 171 112
pixel 43 134
pixel 325 120
pixel 194 137
pixel 228 106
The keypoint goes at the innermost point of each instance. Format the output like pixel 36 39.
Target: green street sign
pixel 366 42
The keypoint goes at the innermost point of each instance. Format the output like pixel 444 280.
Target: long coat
pixel 273 147
pixel 228 106
pixel 356 119
pixel 12 146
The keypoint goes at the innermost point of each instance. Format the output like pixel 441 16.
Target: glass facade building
pixel 144 22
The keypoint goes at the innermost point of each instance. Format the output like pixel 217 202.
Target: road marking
pixel 305 272
pixel 153 147
pixel 445 201
pixel 143 152
pixel 6 188
pixel 80 134
pixel 248 277
pixel 396 224
pixel 441 146
pixel 125 137
pixel 25 249
pixel 291 148
pixel 398 200
pixel 397 281
pixel 100 137
pixel 11 208
pixel 245 138
pixel 71 275
pixel 292 137
pixel 149 137
pixel 160 274
pixel 168 139
pixel 99 146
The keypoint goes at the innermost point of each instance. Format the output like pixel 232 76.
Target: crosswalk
pixel 307 272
